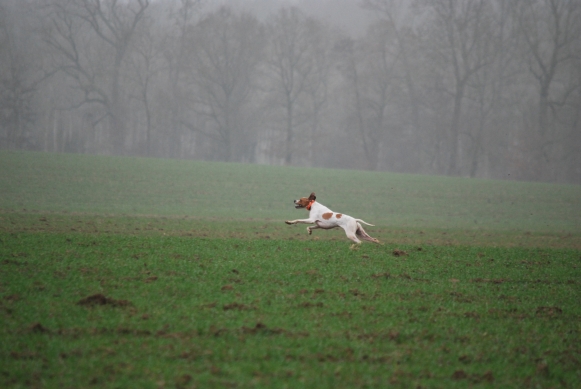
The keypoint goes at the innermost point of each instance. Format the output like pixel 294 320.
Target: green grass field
pixel 130 272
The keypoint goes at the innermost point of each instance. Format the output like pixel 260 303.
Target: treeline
pixel 479 88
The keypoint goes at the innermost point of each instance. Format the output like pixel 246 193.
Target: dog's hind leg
pixel 356 242
pixel 353 236
pixel 364 235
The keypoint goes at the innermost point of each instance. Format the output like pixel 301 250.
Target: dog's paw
pixel 288 222
pixel 309 230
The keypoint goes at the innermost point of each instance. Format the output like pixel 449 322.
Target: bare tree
pixel 15 95
pixel 368 68
pixel 146 64
pixel 178 46
pixel 396 15
pixel 75 29
pixel 225 51
pixel 293 69
pixel 21 74
pixel 490 95
pixel 550 31
pixel 319 87
pixel 458 44
pixel 349 54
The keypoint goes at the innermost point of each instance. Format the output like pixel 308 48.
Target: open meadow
pixel 133 272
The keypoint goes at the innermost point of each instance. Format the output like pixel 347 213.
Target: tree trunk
pixel 289 132
pixel 455 131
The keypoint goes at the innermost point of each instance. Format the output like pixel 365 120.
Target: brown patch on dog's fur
pixel 327 215
pixel 339 215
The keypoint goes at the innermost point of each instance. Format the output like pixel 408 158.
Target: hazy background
pixel 478 88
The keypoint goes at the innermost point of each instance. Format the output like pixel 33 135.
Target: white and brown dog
pixel 323 217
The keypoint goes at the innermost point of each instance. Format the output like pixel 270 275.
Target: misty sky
pixel 345 14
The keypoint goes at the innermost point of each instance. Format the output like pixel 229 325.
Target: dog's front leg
pixel 305 221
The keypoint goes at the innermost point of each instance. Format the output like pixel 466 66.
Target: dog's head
pixel 305 202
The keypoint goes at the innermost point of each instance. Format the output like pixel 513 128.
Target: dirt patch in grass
pixel 492 281
pixel 261 328
pixel 38 328
pixel 238 307
pixel 101 299
pixel 548 311
pixel 476 378
pixel 307 304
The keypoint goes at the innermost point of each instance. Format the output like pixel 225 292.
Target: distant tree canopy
pixel 479 88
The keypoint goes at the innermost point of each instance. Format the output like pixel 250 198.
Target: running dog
pixel 323 217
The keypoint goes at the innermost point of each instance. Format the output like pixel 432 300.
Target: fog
pixel 470 88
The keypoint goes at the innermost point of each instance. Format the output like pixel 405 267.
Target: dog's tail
pixel 361 221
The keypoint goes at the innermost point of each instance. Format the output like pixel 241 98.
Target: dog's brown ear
pixel 312 196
